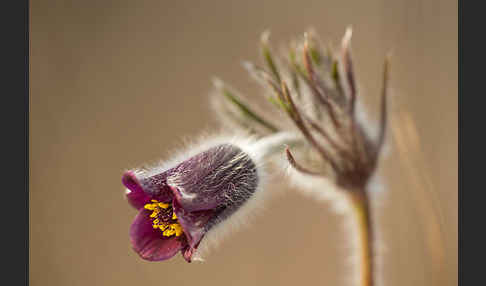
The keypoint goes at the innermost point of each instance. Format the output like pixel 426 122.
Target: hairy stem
pixel 361 207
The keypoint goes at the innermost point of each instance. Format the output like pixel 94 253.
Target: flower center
pixel 164 218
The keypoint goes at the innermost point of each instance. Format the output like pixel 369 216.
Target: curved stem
pixel 361 206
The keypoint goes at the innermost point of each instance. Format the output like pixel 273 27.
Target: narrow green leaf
pixel 315 56
pixel 246 111
pixel 293 61
pixel 279 103
pixel 335 72
pixel 267 55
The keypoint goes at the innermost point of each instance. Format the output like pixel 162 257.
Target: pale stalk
pixel 361 207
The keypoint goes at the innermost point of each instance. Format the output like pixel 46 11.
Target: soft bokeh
pixel 115 84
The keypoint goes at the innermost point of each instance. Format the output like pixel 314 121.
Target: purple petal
pixel 149 243
pixel 188 251
pixel 136 197
pixel 194 224
pixel 142 190
pixel 221 176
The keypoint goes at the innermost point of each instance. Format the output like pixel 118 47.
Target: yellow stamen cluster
pixel 167 228
pixel 172 229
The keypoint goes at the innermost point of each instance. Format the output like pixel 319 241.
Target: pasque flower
pixel 179 204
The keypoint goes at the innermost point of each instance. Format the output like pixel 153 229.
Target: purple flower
pixel 179 205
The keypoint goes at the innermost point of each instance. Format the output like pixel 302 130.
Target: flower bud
pixel 179 205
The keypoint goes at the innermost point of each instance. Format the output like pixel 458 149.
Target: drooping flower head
pixel 178 205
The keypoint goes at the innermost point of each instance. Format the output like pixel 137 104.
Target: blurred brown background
pixel 115 84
